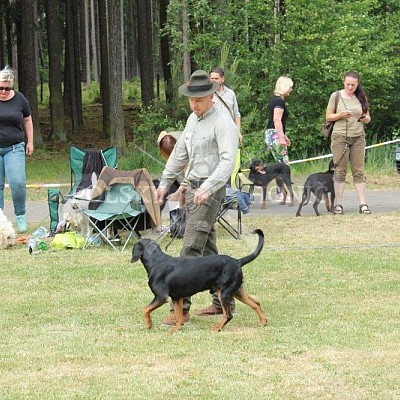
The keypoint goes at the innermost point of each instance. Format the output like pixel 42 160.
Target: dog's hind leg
pixel 303 201
pixel 242 296
pixel 305 198
pixel 149 309
pixel 264 198
pixel 178 310
pixel 318 197
pixel 327 203
pixel 291 199
pixel 288 183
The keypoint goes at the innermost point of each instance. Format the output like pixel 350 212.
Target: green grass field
pixel 71 321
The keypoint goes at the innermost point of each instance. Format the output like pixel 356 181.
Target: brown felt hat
pixel 199 85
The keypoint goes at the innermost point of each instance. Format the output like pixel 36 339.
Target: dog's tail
pixel 257 251
pixel 307 192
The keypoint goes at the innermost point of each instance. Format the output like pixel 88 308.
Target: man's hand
pixel 200 196
pixel 160 195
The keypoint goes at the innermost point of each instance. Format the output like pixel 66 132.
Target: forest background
pixel 128 57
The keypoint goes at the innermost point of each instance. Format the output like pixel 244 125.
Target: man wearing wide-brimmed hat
pixel 205 155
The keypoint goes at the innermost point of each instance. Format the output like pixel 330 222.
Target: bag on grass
pixel 67 240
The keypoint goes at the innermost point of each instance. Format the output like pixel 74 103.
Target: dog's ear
pixel 254 164
pixel 144 246
pixel 137 252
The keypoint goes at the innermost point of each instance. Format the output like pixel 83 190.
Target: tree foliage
pixel 314 43
pixel 254 41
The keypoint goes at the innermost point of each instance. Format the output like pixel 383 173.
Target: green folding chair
pixel 83 162
pixel 121 209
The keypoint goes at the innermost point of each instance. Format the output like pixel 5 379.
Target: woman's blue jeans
pixel 12 167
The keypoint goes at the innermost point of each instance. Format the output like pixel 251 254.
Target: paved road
pixel 378 200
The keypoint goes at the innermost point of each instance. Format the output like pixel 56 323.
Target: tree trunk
pixel 86 42
pixel 2 33
pixel 146 64
pixel 72 78
pixel 27 62
pixel 115 55
pixel 165 54
pixel 186 40
pixel 55 39
pixel 131 19
pixel 77 63
pixel 105 69
pixel 94 42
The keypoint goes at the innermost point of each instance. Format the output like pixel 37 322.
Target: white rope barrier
pixel 330 155
pixel 44 185
pixel 54 185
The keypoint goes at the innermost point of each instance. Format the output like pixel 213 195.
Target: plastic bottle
pixel 31 243
pixel 40 233
pixel 94 241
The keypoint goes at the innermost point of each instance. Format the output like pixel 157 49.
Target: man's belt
pixel 195 184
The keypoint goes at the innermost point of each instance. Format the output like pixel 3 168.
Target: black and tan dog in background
pixel 320 184
pixel 262 174
pixel 179 277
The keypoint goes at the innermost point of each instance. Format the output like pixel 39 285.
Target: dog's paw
pixel 176 329
pixel 217 328
pixel 147 322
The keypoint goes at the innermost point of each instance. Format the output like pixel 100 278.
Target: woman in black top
pixel 15 124
pixel 275 135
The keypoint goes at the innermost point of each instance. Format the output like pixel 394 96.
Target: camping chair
pixel 237 181
pixel 83 163
pixel 122 200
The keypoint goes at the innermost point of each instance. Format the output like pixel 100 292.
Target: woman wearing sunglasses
pixel 15 124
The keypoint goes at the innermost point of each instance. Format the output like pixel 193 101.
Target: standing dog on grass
pixel 261 175
pixel 320 184
pixel 179 277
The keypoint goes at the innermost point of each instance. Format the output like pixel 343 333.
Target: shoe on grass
pixel 21 224
pixel 171 320
pixel 210 310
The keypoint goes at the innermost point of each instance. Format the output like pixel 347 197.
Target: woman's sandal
pixel 338 210
pixel 364 209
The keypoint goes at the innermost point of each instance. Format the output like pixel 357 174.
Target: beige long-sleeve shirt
pixel 208 148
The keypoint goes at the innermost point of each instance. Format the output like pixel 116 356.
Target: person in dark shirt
pixel 15 125
pixel 275 135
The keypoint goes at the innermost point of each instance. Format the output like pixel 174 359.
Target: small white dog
pixel 7 232
pixel 72 210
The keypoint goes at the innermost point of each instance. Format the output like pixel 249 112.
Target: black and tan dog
pixel 320 184
pixel 179 277
pixel 261 175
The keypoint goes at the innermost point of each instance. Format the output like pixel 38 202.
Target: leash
pixel 178 220
pixel 340 159
pixel 346 143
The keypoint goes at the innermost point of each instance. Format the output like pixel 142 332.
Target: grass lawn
pixel 71 321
